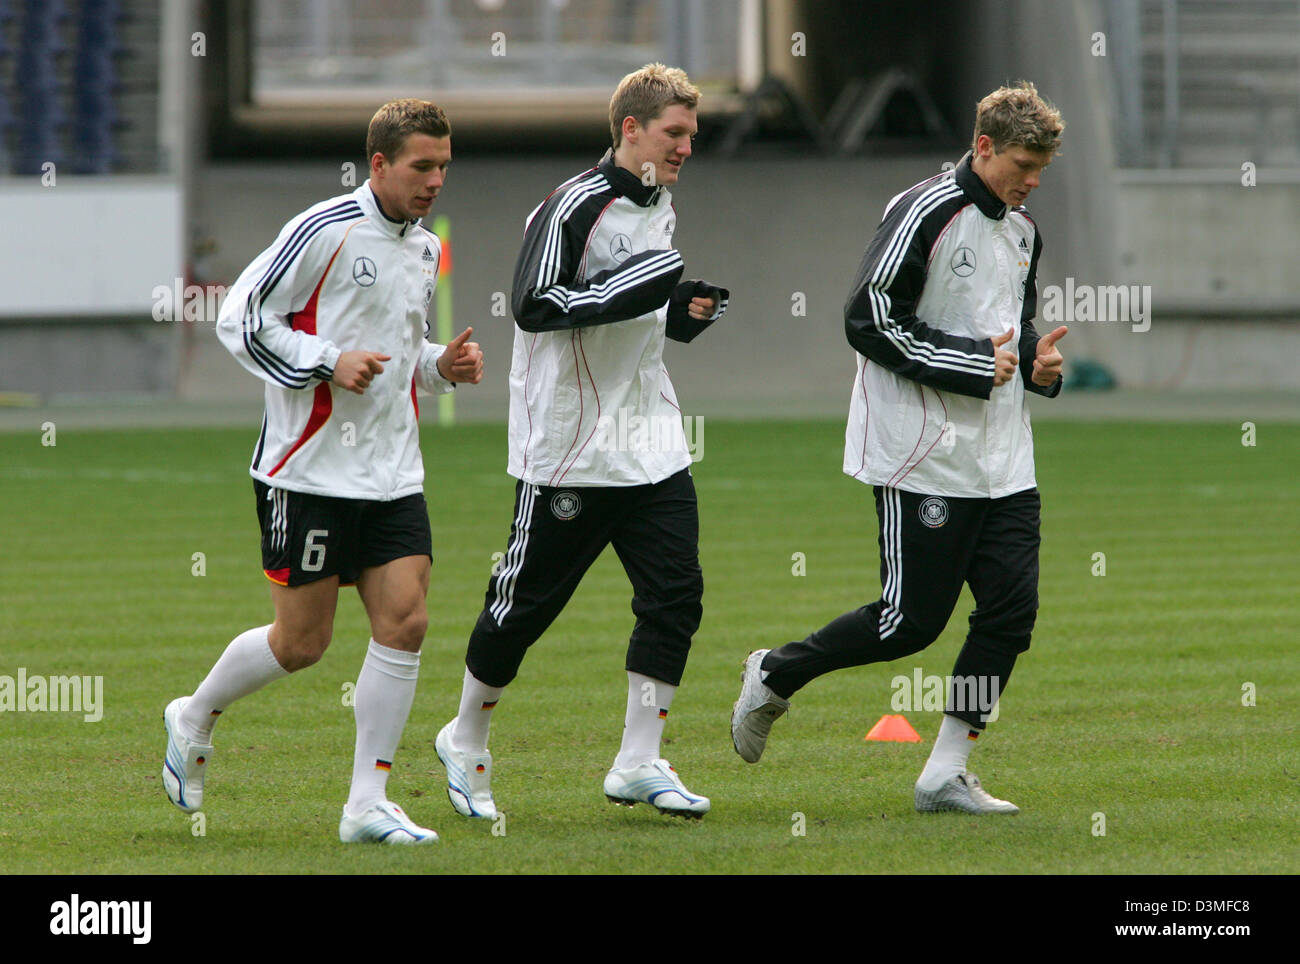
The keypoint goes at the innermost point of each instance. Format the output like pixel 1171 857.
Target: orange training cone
pixel 894 729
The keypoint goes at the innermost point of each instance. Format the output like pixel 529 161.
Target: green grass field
pixel 1129 704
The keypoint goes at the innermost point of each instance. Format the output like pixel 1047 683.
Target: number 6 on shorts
pixel 313 553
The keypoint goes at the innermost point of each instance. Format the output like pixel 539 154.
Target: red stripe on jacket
pixel 305 320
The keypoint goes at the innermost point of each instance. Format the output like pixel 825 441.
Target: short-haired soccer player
pixel 941 315
pixel 332 316
pixel 596 291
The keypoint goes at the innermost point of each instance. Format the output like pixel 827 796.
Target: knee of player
pixel 690 596
pixel 406 629
pixel 917 629
pixel 679 618
pixel 1008 642
pixel 302 650
pixel 1021 605
pixel 415 625
pixel 1012 625
pixel 303 654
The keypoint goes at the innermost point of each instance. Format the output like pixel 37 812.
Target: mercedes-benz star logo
pixel 963 262
pixel 621 248
pixel 363 272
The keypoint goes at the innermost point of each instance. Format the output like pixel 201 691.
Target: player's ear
pixel 630 128
pixel 377 164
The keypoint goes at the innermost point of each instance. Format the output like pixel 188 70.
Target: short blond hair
pixel 645 93
pixel 399 119
pixel 1017 116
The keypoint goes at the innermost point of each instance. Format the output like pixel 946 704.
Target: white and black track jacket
pixel 595 293
pixel 949 269
pixel 341 276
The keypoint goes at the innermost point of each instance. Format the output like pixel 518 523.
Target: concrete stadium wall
pixel 768 229
pixel 774 232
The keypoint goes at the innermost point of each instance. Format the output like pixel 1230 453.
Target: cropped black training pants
pixel 557 534
pixel 929 547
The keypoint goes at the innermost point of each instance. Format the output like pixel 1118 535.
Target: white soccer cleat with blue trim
pixel 657 784
pixel 185 764
pixel 469 777
pixel 383 823
pixel 962 792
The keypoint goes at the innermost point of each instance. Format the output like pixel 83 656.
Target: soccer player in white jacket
pixel 596 290
pixel 941 315
pixel 332 316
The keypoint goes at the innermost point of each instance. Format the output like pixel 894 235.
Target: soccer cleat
pixel 756 710
pixel 383 823
pixel 962 792
pixel 185 764
pixel 657 784
pixel 469 777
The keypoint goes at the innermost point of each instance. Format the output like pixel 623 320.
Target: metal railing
pixel 1201 83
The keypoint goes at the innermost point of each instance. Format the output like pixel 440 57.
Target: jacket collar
pixel 365 196
pixel 626 183
pixel 975 189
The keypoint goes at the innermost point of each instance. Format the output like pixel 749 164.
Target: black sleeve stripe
pixel 261 443
pixel 572 190
pixel 926 204
pixel 286 257
pixel 301 235
pixel 935 357
pixel 548 270
pixel 292 248
pixel 272 364
pixel 278 368
pixel 605 293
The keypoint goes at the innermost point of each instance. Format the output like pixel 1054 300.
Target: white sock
pixel 477 700
pixel 951 750
pixel 385 690
pixel 245 667
pixel 648 701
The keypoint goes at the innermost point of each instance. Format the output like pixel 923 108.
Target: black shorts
pixel 310 537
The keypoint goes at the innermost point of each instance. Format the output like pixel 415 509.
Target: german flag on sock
pixel 663 714
pixel 489 704
pixel 383 765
